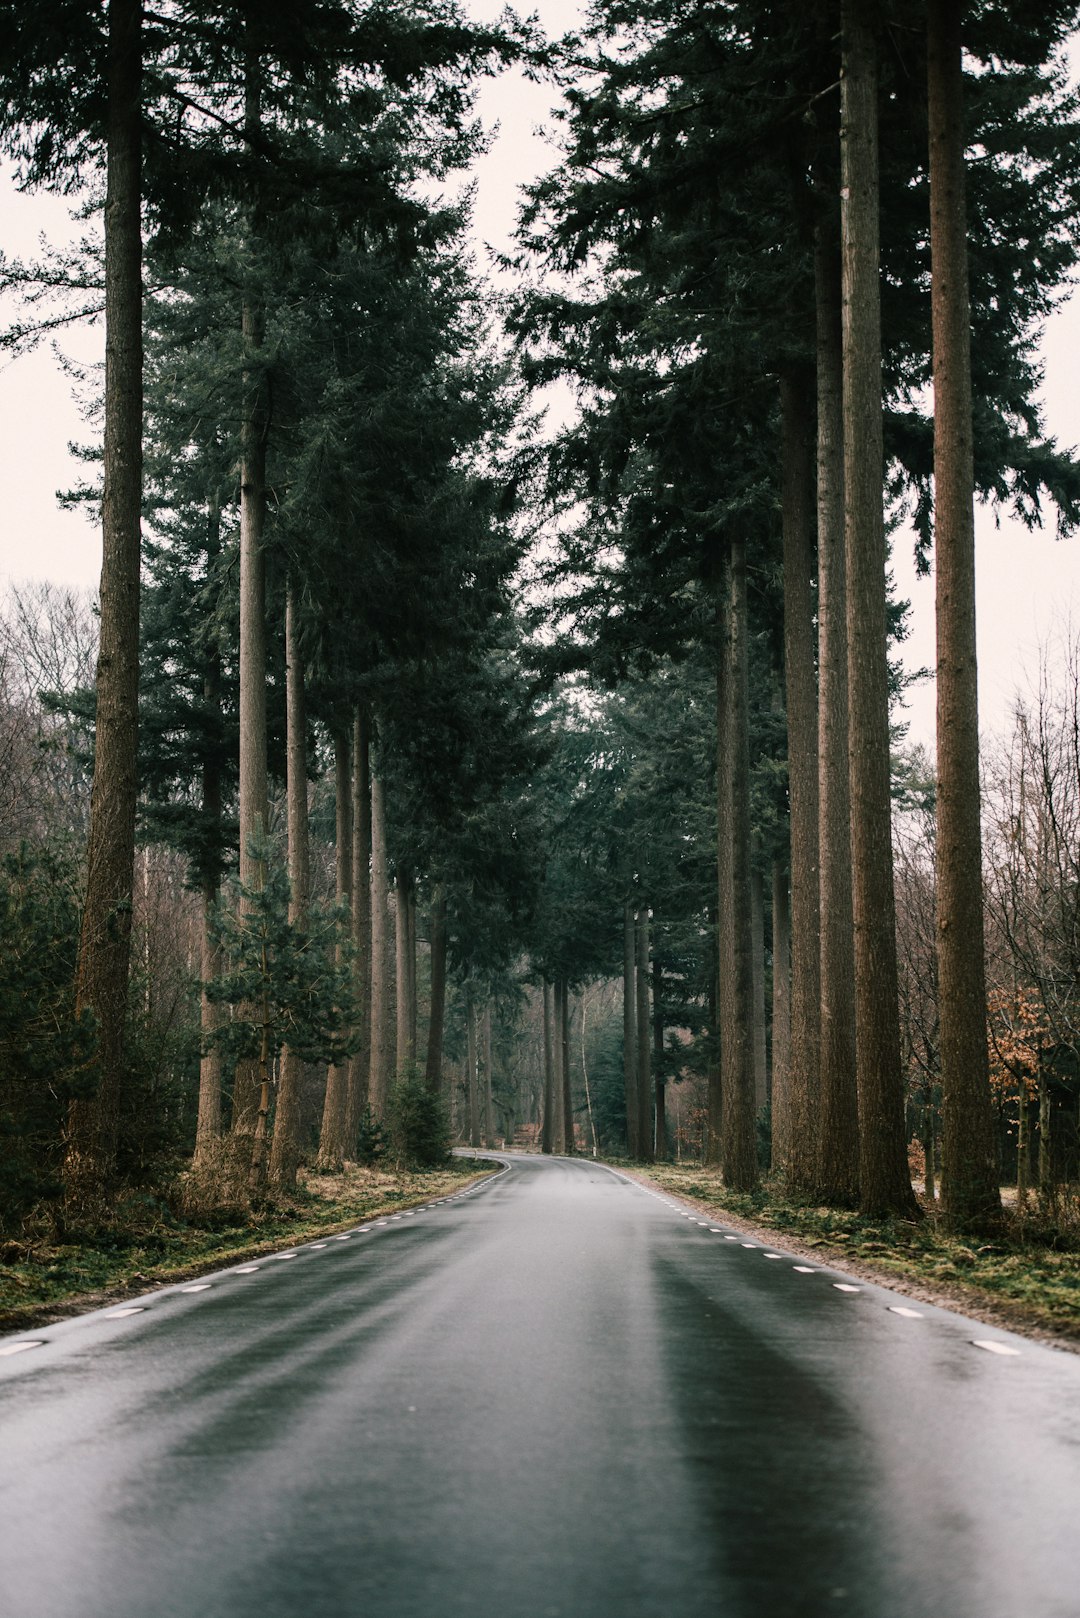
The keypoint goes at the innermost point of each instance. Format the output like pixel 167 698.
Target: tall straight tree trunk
pixel 884 1177
pixel 968 1144
pixel 406 976
pixel 101 974
pixel 558 1130
pixel 411 960
pixel 334 1146
pixel 660 1083
pixel 738 1145
pixel 757 917
pixel 208 1127
pixel 472 1087
pixel 547 1123
pixel 437 1020
pixel 781 1002
pixel 253 786
pixel 285 1149
pixel 360 1064
pixel 644 1037
pixel 489 1099
pixel 564 1071
pixel 800 679
pixel 379 1084
pixel 836 1177
pixel 633 1143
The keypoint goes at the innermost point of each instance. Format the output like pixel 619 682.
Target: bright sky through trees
pixel 1028 584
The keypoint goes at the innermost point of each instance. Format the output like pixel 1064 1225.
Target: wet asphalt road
pixel 558 1396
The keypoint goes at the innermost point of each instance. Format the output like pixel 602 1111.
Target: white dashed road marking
pixel 843 1286
pixel 283 1255
pixel 18 1348
pixel 772 1255
pixel 247 1269
pixel 908 1314
pixel 992 1347
pixel 804 1269
pixel 200 1286
pixel 132 1309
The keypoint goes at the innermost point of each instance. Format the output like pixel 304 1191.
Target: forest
pixel 439 768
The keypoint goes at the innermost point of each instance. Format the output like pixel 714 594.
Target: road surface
pixel 560 1395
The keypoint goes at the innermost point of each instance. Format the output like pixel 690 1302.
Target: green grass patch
pixel 1028 1273
pixel 145 1243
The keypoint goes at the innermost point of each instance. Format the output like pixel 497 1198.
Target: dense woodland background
pixel 457 776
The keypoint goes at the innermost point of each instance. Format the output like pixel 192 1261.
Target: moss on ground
pixel 145 1244
pixel 1027 1275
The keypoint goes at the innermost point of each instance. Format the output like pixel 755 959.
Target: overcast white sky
pixel 1029 584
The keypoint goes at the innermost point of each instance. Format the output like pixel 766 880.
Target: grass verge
pixel 1026 1278
pixel 147 1246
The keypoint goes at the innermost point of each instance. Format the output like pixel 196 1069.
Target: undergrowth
pixel 1029 1270
pixel 145 1241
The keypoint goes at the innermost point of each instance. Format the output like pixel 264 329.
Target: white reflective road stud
pixel 200 1286
pixel 804 1269
pixel 843 1286
pixel 133 1309
pixel 908 1314
pixel 992 1347
pixel 20 1348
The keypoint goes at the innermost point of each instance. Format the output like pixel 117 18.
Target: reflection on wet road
pixel 559 1395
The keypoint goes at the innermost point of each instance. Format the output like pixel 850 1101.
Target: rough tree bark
pixel 252 716
pixel 884 1178
pixel 547 1124
pixel 836 1173
pixel 661 1147
pixel 472 1087
pixel 208 1126
pixel 738 1144
pixel 285 1148
pixel 334 1147
pixel 757 914
pixel 406 975
pixel 101 976
pixel 489 1099
pixel 781 1000
pixel 969 1154
pixel 379 1081
pixel 567 1108
pixel 643 1023
pixel 633 1143
pixel 800 679
pixel 437 1020
pixel 360 1064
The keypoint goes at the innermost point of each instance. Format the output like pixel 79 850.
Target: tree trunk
pixel 547 1126
pixel 333 1144
pixel 633 1143
pixel 1046 1162
pixel 489 1099
pixel 643 1022
pixel 781 1005
pixel 360 1064
pixel 884 1177
pixel 101 974
pixel 285 1150
pixel 406 977
pixel 836 1176
pixel 738 1143
pixel 472 1086
pixel 968 1143
pixel 757 915
pixel 661 1147
pixel 558 1130
pixel 253 786
pixel 564 1070
pixel 208 1127
pixel 379 1084
pixel 802 728
pixel 436 1023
